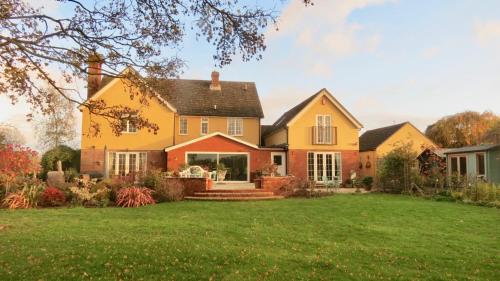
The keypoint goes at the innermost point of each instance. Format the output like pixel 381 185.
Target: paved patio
pixel 234 185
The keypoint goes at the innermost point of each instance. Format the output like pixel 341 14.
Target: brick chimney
pixel 94 74
pixel 215 84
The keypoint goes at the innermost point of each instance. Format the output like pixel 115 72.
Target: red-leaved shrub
pixel 53 197
pixel 134 197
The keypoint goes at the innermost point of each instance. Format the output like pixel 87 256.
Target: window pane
pixel 183 126
pixel 277 160
pixel 329 167
pixel 121 164
pixel 124 125
pixel 132 162
pixel 338 167
pixel 235 127
pixel 480 164
pixel 204 125
pixel 142 161
pixel 237 166
pixel 112 163
pixel 206 161
pixel 310 165
pixel 454 165
pixel 463 166
pixel 131 126
pixel 319 166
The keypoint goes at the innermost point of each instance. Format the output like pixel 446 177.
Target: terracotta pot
pixel 210 184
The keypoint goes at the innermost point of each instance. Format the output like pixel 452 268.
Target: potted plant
pixel 221 172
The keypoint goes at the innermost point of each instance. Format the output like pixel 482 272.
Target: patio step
pixel 231 193
pixel 233 198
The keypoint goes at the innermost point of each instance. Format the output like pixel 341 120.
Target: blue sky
pixel 386 61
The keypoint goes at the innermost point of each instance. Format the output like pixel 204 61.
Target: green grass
pixel 344 237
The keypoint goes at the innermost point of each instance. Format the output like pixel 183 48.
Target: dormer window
pixel 128 124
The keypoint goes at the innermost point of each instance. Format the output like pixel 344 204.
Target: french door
pixel 324 166
pixel 125 163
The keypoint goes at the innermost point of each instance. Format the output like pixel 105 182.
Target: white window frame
pixel 204 120
pixel 127 157
pixel 319 178
pixel 327 135
pixel 237 121
pixel 127 129
pixel 181 119
pixel 218 154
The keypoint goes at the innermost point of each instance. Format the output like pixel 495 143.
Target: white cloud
pixel 431 52
pixel 325 30
pixel 488 33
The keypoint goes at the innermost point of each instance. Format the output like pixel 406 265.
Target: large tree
pixel 463 129
pixel 57 127
pixel 38 46
pixel 10 135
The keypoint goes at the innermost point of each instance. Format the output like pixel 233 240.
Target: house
pixel 212 122
pixel 480 161
pixel 375 144
pixel 320 138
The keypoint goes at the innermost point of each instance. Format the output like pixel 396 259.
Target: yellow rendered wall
pixel 300 132
pixel 278 137
pixel 117 93
pixel 406 134
pixel 251 128
pixel 365 157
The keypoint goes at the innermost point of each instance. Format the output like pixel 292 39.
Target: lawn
pixel 344 237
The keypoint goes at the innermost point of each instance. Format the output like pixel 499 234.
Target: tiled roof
pixel 475 148
pixel 194 97
pixel 371 139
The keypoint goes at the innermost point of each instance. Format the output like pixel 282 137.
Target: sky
pixel 386 61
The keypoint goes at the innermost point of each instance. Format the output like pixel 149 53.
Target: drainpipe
pixel 106 170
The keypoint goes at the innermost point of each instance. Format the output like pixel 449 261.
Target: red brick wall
pixel 191 185
pixel 274 183
pixel 258 158
pixel 92 160
pixel 297 162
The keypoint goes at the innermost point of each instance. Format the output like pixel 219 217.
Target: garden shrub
pixel 16 200
pixel 134 197
pixel 172 190
pixel 152 178
pixel 69 158
pixel 367 182
pixel 33 191
pixel 71 175
pixel 481 192
pixel 398 169
pixel 95 196
pixel 17 163
pixel 53 197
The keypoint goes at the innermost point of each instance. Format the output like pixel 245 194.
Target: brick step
pixel 232 198
pixel 233 194
pixel 218 190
